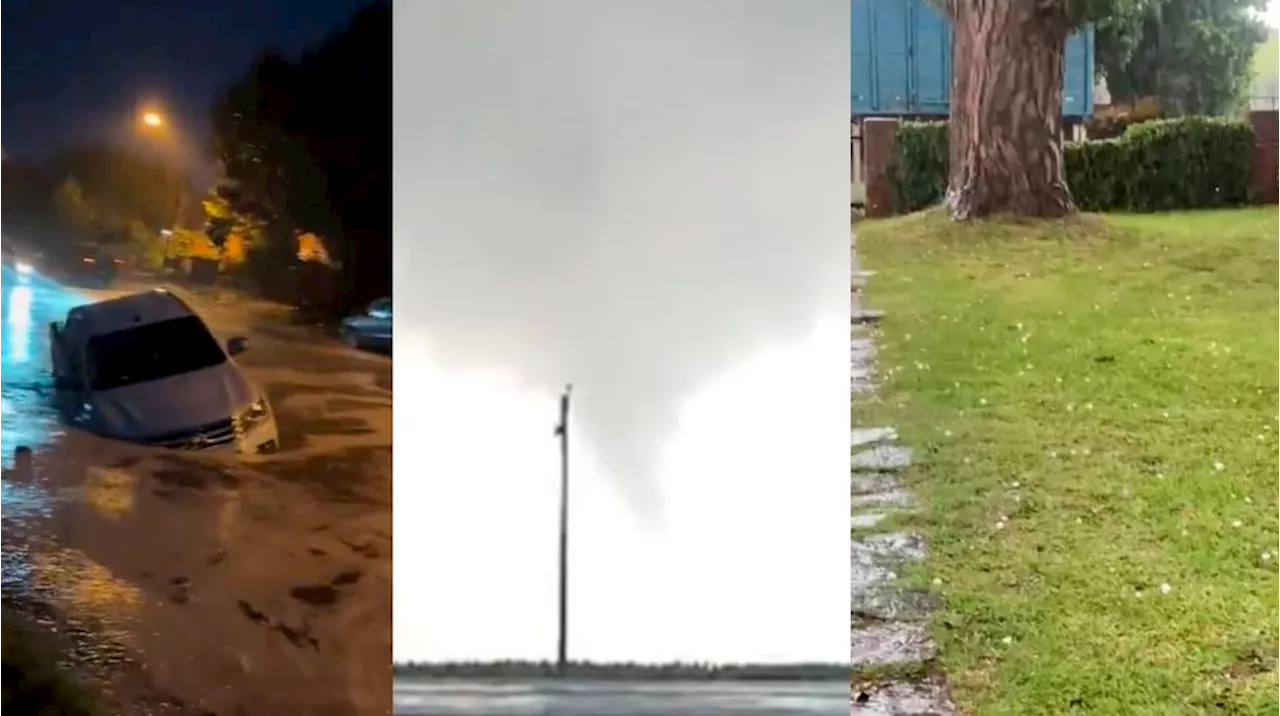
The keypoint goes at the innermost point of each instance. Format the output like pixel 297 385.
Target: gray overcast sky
pixel 633 196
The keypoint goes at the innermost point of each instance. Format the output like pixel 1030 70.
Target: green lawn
pixel 1094 408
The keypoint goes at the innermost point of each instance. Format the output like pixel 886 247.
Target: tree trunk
pixel 1006 109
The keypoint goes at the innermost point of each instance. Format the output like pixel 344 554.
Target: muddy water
pixel 197 584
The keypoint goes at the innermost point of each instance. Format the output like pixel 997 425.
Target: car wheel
pixel 351 338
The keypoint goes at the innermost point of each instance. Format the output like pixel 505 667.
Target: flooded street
pixel 194 583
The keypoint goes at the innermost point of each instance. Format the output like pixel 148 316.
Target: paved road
pixel 455 698
pixel 198 584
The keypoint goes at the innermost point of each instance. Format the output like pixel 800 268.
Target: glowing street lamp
pixel 153 119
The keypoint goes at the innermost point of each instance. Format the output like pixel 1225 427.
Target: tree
pixel 74 208
pixel 111 194
pixel 1192 57
pixel 306 149
pixel 1006 103
pixel 223 224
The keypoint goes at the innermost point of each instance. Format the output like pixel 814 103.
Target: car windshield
pixel 151 352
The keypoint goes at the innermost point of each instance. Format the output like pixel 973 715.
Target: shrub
pixel 1189 163
pixel 1161 165
pixel 919 171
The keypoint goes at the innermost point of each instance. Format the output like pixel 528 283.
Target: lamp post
pixel 156 125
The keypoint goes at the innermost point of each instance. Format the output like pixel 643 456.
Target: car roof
pixel 135 309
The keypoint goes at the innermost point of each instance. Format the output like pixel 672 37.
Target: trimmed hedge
pixel 919 169
pixel 1162 165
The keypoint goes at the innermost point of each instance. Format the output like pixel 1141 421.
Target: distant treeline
pixel 517 670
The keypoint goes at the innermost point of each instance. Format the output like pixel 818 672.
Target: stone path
pixel 893 670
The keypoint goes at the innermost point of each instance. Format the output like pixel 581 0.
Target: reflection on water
pixel 230 517
pixel 26 389
pixel 110 491
pixel 18 325
pixel 35 573
pixel 88 589
pixel 444 698
pixel 750 563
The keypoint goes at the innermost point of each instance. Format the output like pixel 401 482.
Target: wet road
pixel 455 698
pixel 189 583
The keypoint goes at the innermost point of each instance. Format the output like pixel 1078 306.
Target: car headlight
pixel 255 413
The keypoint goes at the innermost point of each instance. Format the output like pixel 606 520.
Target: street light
pixel 159 130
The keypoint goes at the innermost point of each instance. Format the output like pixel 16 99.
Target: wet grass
pixel 1093 406
pixel 33 683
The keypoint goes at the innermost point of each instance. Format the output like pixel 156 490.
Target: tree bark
pixel 1005 128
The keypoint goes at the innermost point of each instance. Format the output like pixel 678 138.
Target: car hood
pixel 169 405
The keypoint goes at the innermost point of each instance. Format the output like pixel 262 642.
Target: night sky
pixel 80 69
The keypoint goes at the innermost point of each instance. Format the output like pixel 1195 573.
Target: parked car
pixel 145 368
pixel 93 266
pixel 370 329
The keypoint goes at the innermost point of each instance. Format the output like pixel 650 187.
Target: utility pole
pixel 562 431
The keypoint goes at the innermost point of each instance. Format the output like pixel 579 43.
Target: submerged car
pixel 371 328
pixel 145 368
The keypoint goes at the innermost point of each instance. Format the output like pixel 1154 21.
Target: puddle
pixel 891 643
pixel 883 457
